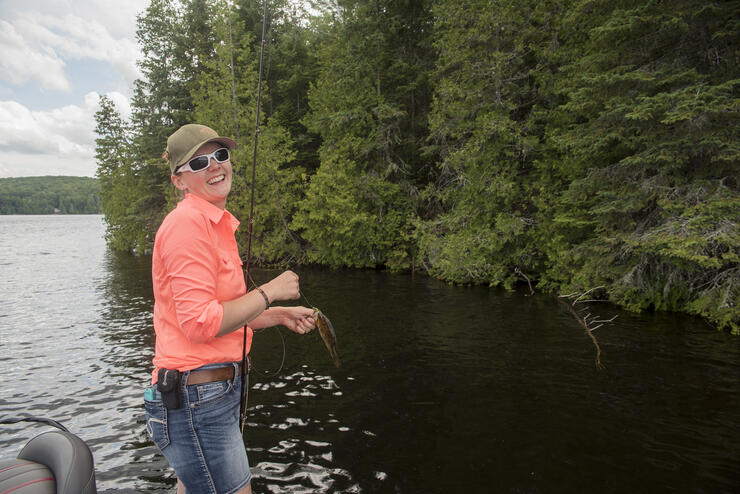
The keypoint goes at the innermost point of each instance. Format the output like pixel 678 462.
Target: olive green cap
pixel 182 145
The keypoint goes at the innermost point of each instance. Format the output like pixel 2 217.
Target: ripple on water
pixel 302 478
pixel 496 388
pixel 301 458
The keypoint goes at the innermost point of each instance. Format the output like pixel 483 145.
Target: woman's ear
pixel 177 182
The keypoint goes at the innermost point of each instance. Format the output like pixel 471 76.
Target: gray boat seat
pixel 52 462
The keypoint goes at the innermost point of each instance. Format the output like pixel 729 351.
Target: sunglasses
pixel 200 163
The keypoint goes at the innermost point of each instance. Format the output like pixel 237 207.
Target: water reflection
pixel 297 408
pixel 125 323
pixel 126 317
pixel 442 388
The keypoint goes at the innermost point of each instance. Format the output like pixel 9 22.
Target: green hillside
pixel 49 195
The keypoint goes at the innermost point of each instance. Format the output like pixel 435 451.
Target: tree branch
pixel 586 324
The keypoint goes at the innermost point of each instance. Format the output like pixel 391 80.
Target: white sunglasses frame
pixel 186 166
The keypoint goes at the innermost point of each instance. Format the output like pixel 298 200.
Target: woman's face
pixel 212 184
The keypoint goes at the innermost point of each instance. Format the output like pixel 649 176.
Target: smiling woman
pixel 196 175
pixel 201 312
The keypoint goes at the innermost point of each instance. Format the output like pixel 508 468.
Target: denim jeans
pixel 201 440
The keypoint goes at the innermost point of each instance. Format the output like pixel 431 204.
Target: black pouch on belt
pixel 168 383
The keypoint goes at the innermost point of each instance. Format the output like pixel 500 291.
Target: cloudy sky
pixel 56 59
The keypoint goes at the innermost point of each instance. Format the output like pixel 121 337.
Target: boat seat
pixel 52 462
pixel 26 477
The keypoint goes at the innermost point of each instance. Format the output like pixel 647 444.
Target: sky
pixel 56 59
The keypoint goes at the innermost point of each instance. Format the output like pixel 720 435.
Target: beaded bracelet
pixel 267 300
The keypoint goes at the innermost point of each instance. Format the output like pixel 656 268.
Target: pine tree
pixel 226 100
pixel 495 60
pixel 113 156
pixel 290 66
pixel 368 107
pixel 649 138
pixel 176 45
pixel 161 100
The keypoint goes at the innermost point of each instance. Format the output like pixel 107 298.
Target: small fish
pixel 326 330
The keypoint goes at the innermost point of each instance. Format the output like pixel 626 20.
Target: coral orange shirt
pixel 195 267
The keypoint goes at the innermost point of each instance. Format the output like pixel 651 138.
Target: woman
pixel 200 309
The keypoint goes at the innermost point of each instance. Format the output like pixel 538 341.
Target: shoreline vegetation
pixel 50 195
pixel 567 144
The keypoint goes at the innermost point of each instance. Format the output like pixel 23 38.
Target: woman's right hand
pixel 283 287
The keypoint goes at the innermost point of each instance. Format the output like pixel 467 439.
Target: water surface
pixel 442 388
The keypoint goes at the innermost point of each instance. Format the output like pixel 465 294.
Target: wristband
pixel 267 300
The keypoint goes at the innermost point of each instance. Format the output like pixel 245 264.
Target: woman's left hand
pixel 298 319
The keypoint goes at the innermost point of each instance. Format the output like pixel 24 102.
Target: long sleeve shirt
pixel 195 267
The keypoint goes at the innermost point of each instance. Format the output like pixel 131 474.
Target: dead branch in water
pixel 519 272
pixel 587 322
pixel 585 293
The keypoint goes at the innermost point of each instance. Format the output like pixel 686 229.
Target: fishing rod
pixel 326 329
pixel 244 387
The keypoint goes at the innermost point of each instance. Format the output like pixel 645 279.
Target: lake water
pixel 442 388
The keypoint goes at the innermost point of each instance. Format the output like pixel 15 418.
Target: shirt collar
pixel 214 213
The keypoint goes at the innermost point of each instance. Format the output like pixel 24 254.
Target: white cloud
pixel 27 165
pixel 21 62
pixel 123 105
pixel 40 41
pixel 61 131
pixel 35 46
pixel 72 37
pixel 60 141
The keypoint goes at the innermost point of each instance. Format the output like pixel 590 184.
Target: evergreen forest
pixel 580 145
pixel 49 195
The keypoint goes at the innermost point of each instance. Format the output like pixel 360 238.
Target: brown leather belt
pixel 212 375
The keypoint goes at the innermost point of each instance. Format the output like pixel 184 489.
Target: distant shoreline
pixel 49 195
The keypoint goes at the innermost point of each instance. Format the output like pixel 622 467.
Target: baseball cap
pixel 185 141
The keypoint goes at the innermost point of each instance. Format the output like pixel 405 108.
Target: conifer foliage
pixel 581 143
pixel 649 141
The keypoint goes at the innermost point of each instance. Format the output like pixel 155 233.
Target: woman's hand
pixel 250 308
pixel 298 319
pixel 283 287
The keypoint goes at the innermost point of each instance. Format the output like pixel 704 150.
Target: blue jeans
pixel 201 440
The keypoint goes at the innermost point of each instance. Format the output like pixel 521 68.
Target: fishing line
pixel 254 284
pixel 282 361
pixel 282 338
